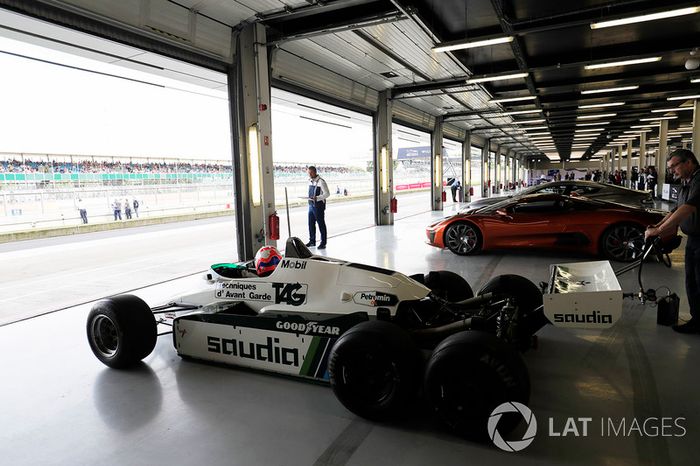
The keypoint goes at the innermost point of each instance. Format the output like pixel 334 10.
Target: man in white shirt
pixel 318 193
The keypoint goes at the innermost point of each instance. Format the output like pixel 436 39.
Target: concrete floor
pixel 62 406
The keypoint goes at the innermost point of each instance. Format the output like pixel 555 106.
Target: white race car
pixel 379 337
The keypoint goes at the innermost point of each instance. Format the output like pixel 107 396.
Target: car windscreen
pixel 494 207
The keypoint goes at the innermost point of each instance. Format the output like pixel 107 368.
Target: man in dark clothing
pixel 683 164
pixel 318 193
pixel 455 186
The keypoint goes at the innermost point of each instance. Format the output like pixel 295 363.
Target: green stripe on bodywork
pixel 308 359
pixel 227 265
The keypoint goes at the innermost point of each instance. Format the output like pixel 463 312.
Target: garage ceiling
pixel 353 49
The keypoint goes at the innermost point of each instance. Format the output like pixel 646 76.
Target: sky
pixel 47 108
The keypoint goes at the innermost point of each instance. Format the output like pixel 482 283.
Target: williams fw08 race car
pixel 383 340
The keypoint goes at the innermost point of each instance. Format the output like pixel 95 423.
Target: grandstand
pixel 38 190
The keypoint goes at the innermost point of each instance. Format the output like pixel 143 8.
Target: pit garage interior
pixel 524 89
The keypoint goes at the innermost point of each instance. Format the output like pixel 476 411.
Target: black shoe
pixel 311 243
pixel 689 327
pixel 321 246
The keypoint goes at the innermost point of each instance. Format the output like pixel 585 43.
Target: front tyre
pixel 468 375
pixel 448 285
pixel 463 239
pixel 121 331
pixel 527 297
pixel 374 370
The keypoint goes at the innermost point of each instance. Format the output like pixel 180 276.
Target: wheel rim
pixel 105 336
pixel 461 238
pixel 373 379
pixel 624 243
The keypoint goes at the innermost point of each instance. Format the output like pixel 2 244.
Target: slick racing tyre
pixel 374 370
pixel 121 331
pixel 527 297
pixel 448 285
pixel 468 375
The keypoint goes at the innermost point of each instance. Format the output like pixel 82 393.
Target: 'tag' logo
pixel 290 293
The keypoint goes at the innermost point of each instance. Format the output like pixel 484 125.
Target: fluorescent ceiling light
pixel 600 115
pixel 592 138
pixel 512 99
pixel 495 78
pixel 522 112
pixel 594 124
pixel 536 127
pixel 610 89
pixel 611 104
pixel 611 64
pixel 696 80
pixel 642 126
pixel 543 133
pixel 642 18
pixel 685 97
pixel 588 130
pixel 529 121
pixel 664 110
pixel 659 118
pixel 465 44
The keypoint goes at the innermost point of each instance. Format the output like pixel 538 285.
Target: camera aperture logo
pixel 513 445
pixel 609 427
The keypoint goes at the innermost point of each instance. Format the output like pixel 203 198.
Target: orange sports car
pixel 550 221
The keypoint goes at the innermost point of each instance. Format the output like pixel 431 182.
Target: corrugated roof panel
pixel 341 48
pixel 316 53
pixel 409 114
pixel 399 43
pixel 270 5
pixel 356 49
pixel 417 36
pixel 291 68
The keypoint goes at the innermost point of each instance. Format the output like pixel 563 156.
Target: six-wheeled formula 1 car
pixel 382 339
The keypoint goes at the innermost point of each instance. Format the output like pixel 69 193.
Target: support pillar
pixel 467 165
pixel 497 172
pixel 383 162
pixel 696 128
pixel 485 168
pixel 436 166
pixel 642 151
pixel 249 105
pixel 661 158
pixel 628 183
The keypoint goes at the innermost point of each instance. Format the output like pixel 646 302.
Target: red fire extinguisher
pixel 471 190
pixel 394 205
pixel 273 226
pixel 444 196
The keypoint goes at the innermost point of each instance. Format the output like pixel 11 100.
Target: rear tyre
pixel 463 239
pixel 374 370
pixel 121 331
pixel 527 297
pixel 468 375
pixel 623 242
pixel 448 285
